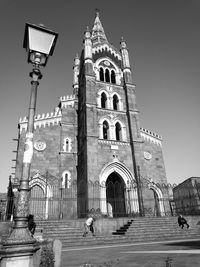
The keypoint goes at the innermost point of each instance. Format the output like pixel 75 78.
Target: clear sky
pixel 163 37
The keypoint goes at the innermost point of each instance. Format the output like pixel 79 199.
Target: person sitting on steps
pixel 31 224
pixel 182 221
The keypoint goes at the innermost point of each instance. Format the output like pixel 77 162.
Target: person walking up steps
pixel 89 226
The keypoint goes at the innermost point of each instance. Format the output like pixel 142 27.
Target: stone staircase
pixel 70 232
pixel 123 229
pixel 72 236
pixel 157 229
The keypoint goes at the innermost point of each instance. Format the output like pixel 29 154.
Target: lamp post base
pixel 18 249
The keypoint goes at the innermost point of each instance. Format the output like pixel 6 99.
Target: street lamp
pixel 39 43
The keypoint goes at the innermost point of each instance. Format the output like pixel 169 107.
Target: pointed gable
pixel 100 45
pixel 98 34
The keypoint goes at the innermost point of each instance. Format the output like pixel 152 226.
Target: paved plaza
pixel 177 253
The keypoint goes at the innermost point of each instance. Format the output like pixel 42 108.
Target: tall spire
pixel 98 34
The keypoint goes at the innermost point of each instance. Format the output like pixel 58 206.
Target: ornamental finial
pixel 97 11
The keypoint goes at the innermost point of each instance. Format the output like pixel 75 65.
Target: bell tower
pixel 108 123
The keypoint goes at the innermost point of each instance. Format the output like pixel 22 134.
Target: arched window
pixel 66 145
pixel 66 180
pixel 118 130
pixel 107 74
pixel 113 80
pixel 101 74
pixel 103 100
pixel 115 102
pixel 105 130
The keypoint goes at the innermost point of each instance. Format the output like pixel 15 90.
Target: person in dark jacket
pixel 182 221
pixel 31 224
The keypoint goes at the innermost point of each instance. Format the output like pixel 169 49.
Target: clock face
pixel 147 155
pixel 106 62
pixel 40 145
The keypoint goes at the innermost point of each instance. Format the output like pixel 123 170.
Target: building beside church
pixel 90 153
pixel 187 197
pixel 3 199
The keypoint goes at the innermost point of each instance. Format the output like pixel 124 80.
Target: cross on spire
pixel 97 11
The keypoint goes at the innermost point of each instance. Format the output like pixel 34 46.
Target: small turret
pixel 88 52
pixel 87 45
pixel 125 61
pixel 76 73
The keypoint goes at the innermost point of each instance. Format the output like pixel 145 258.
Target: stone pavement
pixel 179 253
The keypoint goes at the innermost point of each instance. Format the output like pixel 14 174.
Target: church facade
pixel 90 153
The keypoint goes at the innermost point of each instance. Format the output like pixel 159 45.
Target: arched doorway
pixel 116 173
pixel 40 194
pixel 37 202
pixel 115 195
pixel 156 208
pixel 153 200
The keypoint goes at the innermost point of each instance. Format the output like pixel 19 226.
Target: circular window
pixel 147 155
pixel 40 145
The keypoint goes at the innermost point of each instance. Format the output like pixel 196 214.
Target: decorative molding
pixel 67 101
pixel 67 97
pixel 53 118
pixel 109 88
pixel 111 49
pixel 111 142
pixel 151 133
pixel 44 184
pixel 112 116
pixel 151 136
pixel 114 147
pixel 117 112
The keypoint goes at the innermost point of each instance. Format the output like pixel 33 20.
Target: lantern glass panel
pixel 40 41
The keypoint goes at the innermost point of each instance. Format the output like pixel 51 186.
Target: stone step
pixel 162 234
pixel 135 230
pixel 158 227
pixel 131 235
pixel 90 242
pixel 79 240
pixel 61 230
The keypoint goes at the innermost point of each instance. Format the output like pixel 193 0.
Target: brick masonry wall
pixel 153 168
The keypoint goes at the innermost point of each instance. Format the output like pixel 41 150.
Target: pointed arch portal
pixel 119 192
pixel 40 195
pixel 115 195
pixel 158 200
pixel 115 179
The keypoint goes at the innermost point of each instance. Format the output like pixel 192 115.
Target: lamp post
pixel 129 200
pixel 39 43
pixel 61 199
pixel 139 191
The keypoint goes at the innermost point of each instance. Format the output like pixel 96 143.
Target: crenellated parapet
pixel 106 47
pixel 151 136
pixel 44 120
pixel 67 101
